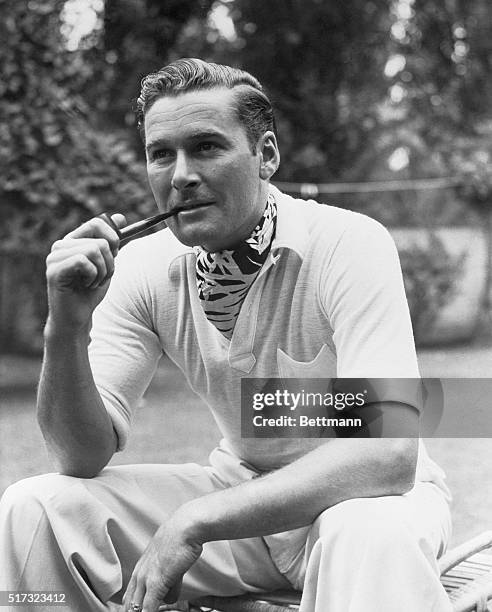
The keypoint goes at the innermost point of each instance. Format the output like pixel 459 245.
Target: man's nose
pixel 184 175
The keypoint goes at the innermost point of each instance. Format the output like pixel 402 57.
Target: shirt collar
pixel 292 231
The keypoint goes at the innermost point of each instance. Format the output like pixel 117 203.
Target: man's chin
pixel 194 238
pixel 211 239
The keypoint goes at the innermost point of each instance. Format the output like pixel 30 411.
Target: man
pixel 247 283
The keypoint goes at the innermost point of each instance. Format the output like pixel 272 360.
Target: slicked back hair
pixel 253 108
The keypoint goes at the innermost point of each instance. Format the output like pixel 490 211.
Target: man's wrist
pixel 192 522
pixel 66 334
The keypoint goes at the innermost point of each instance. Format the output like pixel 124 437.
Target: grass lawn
pixel 191 433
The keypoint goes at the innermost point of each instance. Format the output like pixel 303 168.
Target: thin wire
pixel 314 189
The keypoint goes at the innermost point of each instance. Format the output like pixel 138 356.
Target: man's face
pixel 198 153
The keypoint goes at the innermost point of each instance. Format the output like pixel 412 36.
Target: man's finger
pixel 152 600
pixel 116 222
pixel 138 593
pixel 105 260
pixel 97 228
pixel 77 270
pixel 128 595
pixel 94 251
pixel 119 219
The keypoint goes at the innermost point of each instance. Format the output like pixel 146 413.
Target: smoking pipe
pixel 134 230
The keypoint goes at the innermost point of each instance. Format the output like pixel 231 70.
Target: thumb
pixel 119 220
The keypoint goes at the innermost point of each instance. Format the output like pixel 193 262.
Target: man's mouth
pixel 189 206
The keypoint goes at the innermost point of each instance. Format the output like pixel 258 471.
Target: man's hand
pixel 158 574
pixel 78 271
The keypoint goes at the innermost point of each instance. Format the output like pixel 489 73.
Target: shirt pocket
pixel 324 365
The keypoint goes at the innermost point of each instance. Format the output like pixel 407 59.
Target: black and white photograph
pixel 246 305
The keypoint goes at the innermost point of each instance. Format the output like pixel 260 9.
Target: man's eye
pixel 161 154
pixel 207 146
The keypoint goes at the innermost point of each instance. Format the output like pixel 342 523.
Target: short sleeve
pixel 363 296
pixel 124 348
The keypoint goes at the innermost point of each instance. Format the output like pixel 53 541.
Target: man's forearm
pixel 296 494
pixel 72 417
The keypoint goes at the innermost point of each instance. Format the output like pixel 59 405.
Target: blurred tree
pixel 57 169
pixel 137 38
pixel 448 96
pixel 323 63
pixel 444 78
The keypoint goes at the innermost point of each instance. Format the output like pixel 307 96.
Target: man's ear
pixel 267 148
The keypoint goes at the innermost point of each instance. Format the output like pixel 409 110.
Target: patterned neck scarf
pixel 224 278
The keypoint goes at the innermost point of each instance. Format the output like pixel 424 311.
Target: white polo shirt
pixel 329 302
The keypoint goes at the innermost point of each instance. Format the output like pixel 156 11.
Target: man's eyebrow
pixel 192 136
pixel 201 135
pixel 153 143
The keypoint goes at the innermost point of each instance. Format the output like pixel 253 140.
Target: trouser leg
pixel 84 536
pixel 378 555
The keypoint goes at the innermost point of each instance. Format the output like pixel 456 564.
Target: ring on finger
pixel 134 607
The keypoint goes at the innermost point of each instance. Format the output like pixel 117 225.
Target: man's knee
pixel 376 522
pixel 32 493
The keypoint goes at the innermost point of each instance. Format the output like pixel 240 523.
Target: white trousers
pixel 84 536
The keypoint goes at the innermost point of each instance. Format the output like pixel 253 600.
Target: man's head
pixel 210 146
pixel 253 108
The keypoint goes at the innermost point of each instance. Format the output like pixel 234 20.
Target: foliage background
pixel 364 90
